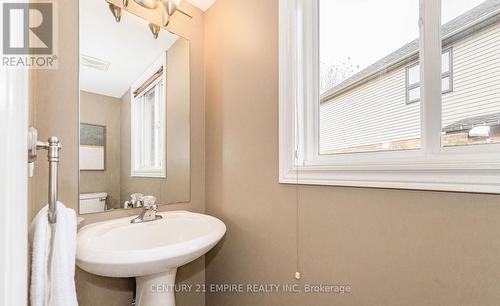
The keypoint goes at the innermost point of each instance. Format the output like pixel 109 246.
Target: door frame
pixel 14 103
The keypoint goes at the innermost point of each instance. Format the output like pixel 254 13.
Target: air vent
pixel 94 63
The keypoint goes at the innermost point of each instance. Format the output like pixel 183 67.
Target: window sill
pixel 451 170
pixel 151 174
pixel 485 180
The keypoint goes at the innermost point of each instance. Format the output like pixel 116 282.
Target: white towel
pixel 40 234
pixel 53 273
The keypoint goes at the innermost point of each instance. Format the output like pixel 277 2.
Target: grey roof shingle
pixel 411 48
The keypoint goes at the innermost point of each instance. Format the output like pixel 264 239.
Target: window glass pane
pixel 359 112
pixel 445 84
pixel 414 94
pixel 158 125
pixel 471 113
pixel 414 75
pixel 148 129
pixel 445 62
pixel 150 115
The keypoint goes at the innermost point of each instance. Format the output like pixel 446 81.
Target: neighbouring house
pixel 378 108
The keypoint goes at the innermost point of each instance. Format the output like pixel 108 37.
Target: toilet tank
pixel 92 202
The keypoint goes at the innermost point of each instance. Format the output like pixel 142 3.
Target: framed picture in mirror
pixel 92 147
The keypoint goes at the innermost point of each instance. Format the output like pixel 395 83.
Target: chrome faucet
pixel 149 210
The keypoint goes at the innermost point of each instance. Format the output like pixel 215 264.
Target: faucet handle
pixel 149 202
pixel 136 197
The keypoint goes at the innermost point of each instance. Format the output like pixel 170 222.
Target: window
pixel 347 83
pixel 413 78
pixel 148 127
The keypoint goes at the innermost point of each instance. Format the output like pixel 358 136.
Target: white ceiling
pixel 128 46
pixel 202 4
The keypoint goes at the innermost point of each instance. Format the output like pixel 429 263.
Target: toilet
pixel 92 202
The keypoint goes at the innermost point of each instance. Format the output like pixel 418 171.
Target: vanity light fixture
pixel 155 29
pixel 116 11
pixel 169 7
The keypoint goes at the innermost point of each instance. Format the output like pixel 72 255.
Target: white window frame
pixel 465 169
pixel 136 170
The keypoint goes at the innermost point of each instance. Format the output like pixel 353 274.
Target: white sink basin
pixel 149 251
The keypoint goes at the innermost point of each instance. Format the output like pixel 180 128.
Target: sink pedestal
pixel 156 290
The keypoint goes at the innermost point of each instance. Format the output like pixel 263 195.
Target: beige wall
pixel 102 110
pixel 176 186
pixel 55 112
pixel 394 247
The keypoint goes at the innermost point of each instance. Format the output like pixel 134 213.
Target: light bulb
pixel 171 6
pixel 150 4
pixel 116 11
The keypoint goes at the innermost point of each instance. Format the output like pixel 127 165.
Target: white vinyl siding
pixel 476 77
pixel 376 112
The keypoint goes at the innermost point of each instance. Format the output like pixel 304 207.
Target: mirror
pixel 134 112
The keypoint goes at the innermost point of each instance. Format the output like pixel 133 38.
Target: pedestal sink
pixel 151 251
